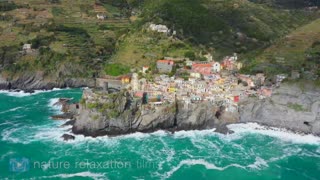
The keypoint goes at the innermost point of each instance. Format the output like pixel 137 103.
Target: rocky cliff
pixel 119 113
pixel 30 81
pixel 292 106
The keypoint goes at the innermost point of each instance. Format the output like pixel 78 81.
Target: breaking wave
pixel 279 133
pixel 87 174
pixel 23 94
pixel 55 107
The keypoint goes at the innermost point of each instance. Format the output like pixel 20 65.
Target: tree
pixel 190 54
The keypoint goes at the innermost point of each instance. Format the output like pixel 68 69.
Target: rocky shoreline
pixel 292 106
pixel 29 82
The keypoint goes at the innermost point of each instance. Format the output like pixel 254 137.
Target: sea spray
pixel 283 134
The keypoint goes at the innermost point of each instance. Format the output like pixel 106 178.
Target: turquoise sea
pixel 31 148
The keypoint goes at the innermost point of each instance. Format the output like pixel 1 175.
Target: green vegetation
pixel 83 101
pixel 92 105
pixel 296 107
pixel 7 6
pixel 113 114
pixel 66 37
pixel 190 54
pixel 289 3
pixel 300 49
pixel 69 41
pixel 116 69
pixel 56 11
pixel 224 25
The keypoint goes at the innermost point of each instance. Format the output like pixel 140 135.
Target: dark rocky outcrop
pixel 67 137
pixel 30 81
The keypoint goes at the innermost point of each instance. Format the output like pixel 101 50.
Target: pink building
pixel 228 63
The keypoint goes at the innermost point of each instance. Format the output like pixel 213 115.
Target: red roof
pixel 202 65
pixel 165 61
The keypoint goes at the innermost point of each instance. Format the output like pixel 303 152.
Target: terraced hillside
pixel 298 50
pixel 64 35
pixel 215 26
pixel 68 40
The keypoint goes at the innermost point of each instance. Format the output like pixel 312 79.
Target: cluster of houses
pixel 202 67
pixel 210 81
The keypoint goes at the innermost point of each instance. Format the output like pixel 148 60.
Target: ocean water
pixel 31 148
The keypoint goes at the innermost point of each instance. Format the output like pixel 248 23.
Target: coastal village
pixel 193 82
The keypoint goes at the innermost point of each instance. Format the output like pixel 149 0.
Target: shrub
pixel 190 54
pixel 92 105
pixel 116 69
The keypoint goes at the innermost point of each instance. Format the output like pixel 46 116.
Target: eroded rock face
pixel 290 107
pixel 134 117
pixel 30 81
pixel 294 107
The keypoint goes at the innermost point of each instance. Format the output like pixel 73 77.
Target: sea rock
pixel 68 123
pixel 68 137
pixel 62 116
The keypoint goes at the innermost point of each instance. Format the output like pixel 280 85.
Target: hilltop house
pixel 27 48
pixel 159 28
pixel 165 66
pixel 101 16
pixel 145 69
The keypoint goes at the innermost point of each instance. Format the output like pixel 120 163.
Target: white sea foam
pixel 86 174
pixel 6 154
pixel 136 135
pixel 193 133
pixel 11 110
pixel 56 107
pixel 258 164
pixel 160 133
pixel 7 123
pixel 193 162
pixel 282 134
pixel 49 134
pixel 7 135
pixel 23 94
